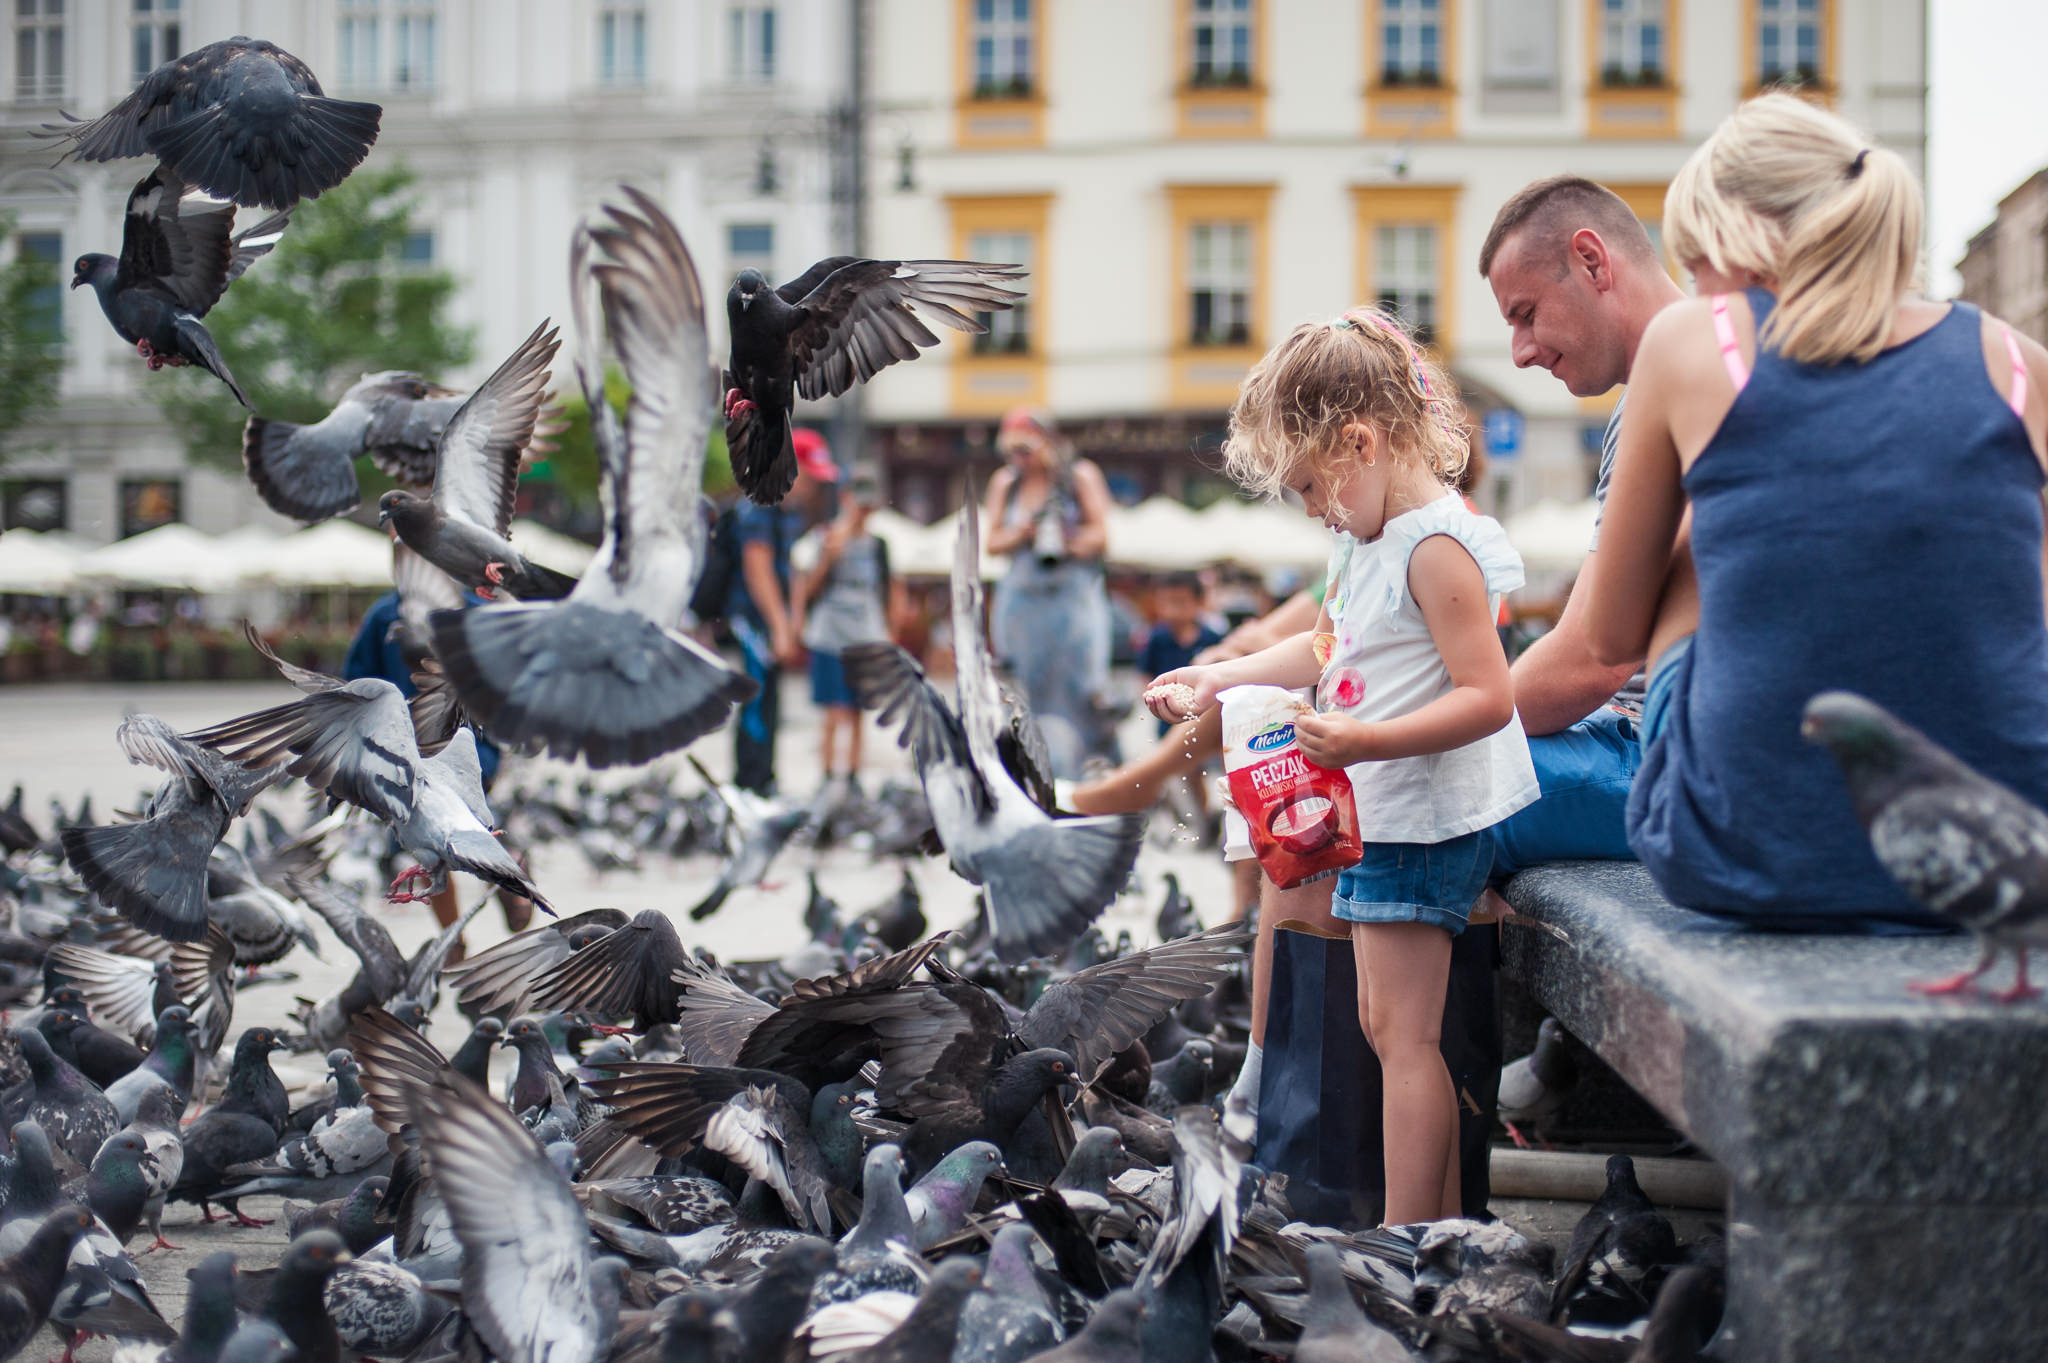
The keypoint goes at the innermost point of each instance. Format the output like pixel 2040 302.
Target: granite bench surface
pixel 1887 1152
pixel 1756 1043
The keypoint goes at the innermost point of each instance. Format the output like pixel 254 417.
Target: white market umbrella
pixel 1263 535
pixel 331 554
pixel 173 555
pixel 39 563
pixel 1158 532
pixel 1553 537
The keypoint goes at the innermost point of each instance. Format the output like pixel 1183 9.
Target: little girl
pixel 1412 690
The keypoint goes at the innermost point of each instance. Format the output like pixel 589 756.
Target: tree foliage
pixel 31 340
pixel 333 302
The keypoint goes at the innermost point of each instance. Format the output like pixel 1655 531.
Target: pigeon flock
pixel 1008 1142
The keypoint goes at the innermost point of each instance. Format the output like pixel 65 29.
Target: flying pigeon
pixel 1046 879
pixel 1959 843
pixel 840 322
pixel 464 528
pixel 154 871
pixel 243 119
pixel 605 674
pixel 354 740
pixel 756 828
pixel 177 259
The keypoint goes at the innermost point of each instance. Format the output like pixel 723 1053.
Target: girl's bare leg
pixel 1403 971
pixel 853 738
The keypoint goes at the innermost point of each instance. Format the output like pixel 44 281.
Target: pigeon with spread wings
pixel 839 323
pixel 243 119
pixel 178 257
pixel 605 674
pixel 354 740
pixel 1046 878
pixel 464 528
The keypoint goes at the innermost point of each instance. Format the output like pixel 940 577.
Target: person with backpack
pixel 842 595
pixel 746 580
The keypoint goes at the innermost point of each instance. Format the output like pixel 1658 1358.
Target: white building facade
pixel 516 115
pixel 1188 179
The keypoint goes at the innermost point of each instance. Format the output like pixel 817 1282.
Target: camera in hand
pixel 1049 540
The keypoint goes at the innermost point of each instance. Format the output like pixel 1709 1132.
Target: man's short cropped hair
pixel 1182 580
pixel 1551 210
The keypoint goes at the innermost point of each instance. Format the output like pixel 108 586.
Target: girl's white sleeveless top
pixel 1385 664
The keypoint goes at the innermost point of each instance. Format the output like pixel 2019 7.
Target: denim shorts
pixel 1585 773
pixel 828 681
pixel 1663 686
pixel 1407 882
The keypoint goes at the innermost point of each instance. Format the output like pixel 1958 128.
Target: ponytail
pixel 1794 193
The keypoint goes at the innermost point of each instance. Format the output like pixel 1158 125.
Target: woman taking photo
pixel 1049 620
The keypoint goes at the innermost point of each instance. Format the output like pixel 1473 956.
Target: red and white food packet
pixel 1301 816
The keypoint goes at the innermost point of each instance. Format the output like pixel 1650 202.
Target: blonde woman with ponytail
pixel 1824 480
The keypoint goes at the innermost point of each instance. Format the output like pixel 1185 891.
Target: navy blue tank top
pixel 1875 527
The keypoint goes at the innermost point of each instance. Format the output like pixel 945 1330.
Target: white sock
pixel 1247 1085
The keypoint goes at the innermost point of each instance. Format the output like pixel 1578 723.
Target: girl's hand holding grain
pixel 1333 740
pixel 1182 693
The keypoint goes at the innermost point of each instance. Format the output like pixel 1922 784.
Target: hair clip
pixel 1856 166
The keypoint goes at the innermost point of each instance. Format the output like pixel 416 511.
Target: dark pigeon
pixel 606 674
pixel 472 1059
pixel 1618 1243
pixel 209 1312
pixel 1114 1334
pixel 177 259
pixel 1176 916
pixel 899 920
pixel 1959 843
pixel 756 828
pixel 464 528
pixel 100 1056
pixel 382 1309
pixel 1045 880
pixel 244 1125
pixel 355 1218
pixel 17 834
pixel 117 1187
pixel 839 323
pixel 242 119
pixel 30 1278
pixel 499 979
pixel 295 1306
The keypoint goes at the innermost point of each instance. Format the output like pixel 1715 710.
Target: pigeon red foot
pixel 158 1243
pixel 737 403
pixel 392 896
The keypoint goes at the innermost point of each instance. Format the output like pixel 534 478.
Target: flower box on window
pixel 1020 88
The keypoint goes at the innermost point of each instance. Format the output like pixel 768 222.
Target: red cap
pixel 813 455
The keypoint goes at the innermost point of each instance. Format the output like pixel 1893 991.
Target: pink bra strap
pixel 1731 350
pixel 2019 373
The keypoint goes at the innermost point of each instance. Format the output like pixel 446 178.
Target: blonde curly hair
pixel 1364 366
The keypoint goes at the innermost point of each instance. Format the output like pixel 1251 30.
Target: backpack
pixel 721 566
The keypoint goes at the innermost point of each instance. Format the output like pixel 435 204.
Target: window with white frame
pixel 1222 37
pixel 1002 48
pixel 153 34
pixel 1009 331
pixel 750 43
pixel 750 246
pixel 1411 42
pixel 1632 42
pixel 1404 272
pixel 388 46
pixel 622 44
pixel 38 49
pixel 1219 283
pixel 1788 41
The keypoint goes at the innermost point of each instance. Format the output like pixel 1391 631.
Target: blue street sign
pixel 1503 433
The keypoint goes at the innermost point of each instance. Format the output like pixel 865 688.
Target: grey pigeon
pixel 528 1284
pixel 1114 1334
pixel 605 674
pixel 840 322
pixel 258 1341
pixel 499 979
pixel 1009 1319
pixel 1335 1330
pixel 340 1151
pixel 940 1201
pixel 756 828
pixel 156 1123
pixel 1045 880
pixel 117 1186
pixel 1533 1088
pixel 70 1108
pixel 354 1217
pixel 1176 917
pixel 1961 844
pixel 243 119
pixel 354 740
pixel 171 1065
pixel 464 528
pixel 382 1309
pixel 154 871
pixel 308 472
pixel 880 1252
pixel 177 259
pixel 764 1135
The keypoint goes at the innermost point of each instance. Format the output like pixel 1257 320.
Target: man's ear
pixel 1588 256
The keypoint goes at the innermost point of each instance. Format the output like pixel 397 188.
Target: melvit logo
pixel 1271 739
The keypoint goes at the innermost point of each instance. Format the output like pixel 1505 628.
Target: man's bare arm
pixel 1557 682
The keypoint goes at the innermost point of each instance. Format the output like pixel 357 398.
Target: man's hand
pixel 788 645
pixel 1333 741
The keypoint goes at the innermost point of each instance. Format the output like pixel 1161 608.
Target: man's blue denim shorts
pixel 1585 772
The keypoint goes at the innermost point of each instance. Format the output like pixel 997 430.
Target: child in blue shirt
pixel 1180 633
